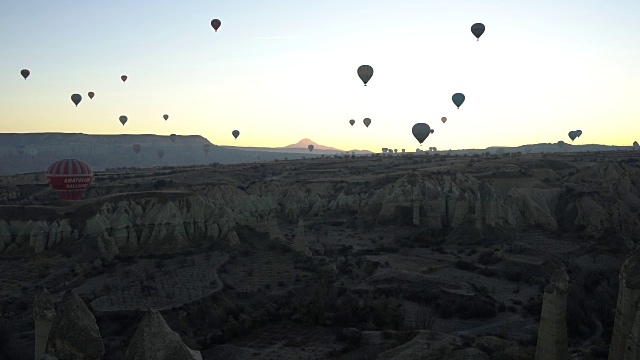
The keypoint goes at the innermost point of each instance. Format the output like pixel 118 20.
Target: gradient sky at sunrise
pixel 280 71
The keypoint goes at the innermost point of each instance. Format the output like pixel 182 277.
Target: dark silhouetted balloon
pixel 137 148
pixel 160 153
pixel 124 78
pixel 458 99
pixel 123 120
pixel 166 117
pixel 477 29
pixel 235 133
pixel 365 72
pixel 421 131
pixel 573 135
pixel 636 145
pixel 367 122
pixel 310 147
pixel 444 120
pixel 91 95
pixel 578 133
pixel 352 122
pixel 173 137
pixel 70 178
pixel 215 23
pixel 25 73
pixel 76 98
pixel 432 131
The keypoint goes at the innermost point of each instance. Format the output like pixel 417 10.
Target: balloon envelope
pixel 25 73
pixel 166 117
pixel 215 23
pixel 458 99
pixel 477 29
pixel 160 153
pixel 76 98
pixel 173 137
pixel 421 131
pixel 235 133
pixel 124 78
pixel 91 95
pixel 444 120
pixel 365 72
pixel 432 131
pixel 70 178
pixel 137 148
pixel 352 122
pixel 367 122
pixel 578 132
pixel 123 120
pixel 310 147
pixel 573 135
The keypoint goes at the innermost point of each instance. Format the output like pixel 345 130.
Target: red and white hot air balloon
pixel 70 178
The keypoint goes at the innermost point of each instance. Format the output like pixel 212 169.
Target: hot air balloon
pixel 432 131
pixel 310 147
pixel 477 29
pixel 421 131
pixel 367 122
pixel 124 78
pixel 636 145
pixel 20 149
pixel 25 73
pixel 70 178
pixel 365 72
pixel 160 153
pixel 444 120
pixel 32 152
pixel 215 23
pixel 173 137
pixel 458 99
pixel 573 135
pixel 123 120
pixel 165 117
pixel 91 95
pixel 76 98
pixel 578 132
pixel 206 148
pixel 137 148
pixel 235 133
pixel 352 122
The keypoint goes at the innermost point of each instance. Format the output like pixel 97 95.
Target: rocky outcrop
pixel 9 192
pixel 632 351
pixel 75 334
pixel 553 343
pixel 154 340
pixel 43 314
pixel 300 242
pixel 628 295
pixel 467 354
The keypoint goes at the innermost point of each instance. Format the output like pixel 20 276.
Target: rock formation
pixel 626 308
pixel 553 343
pixel 75 334
pixel 43 314
pixel 300 242
pixel 154 340
pixel 633 341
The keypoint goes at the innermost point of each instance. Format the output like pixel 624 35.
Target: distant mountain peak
pixel 304 143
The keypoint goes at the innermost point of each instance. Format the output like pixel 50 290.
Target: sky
pixel 282 70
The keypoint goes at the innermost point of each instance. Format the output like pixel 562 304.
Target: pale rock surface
pixel 75 334
pixel 553 343
pixel 154 340
pixel 44 312
pixel 628 295
pixel 300 242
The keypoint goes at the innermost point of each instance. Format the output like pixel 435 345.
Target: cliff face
pixel 169 220
pixel 43 314
pixel 553 343
pixel 626 309
pixel 154 340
